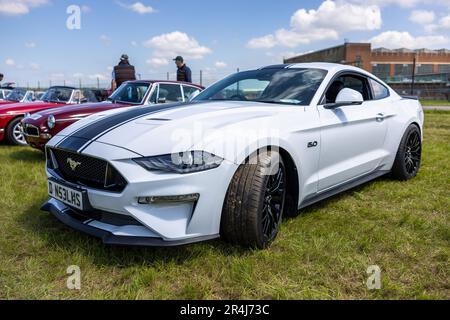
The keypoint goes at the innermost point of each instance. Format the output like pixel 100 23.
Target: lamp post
pixel 413 74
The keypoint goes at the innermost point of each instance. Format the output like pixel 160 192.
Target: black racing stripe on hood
pixel 105 125
pixel 72 144
pixel 97 128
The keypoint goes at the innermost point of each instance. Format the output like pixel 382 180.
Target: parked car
pixel 4 93
pixel 11 115
pixel 275 140
pixel 40 127
pixel 38 95
pixel 18 95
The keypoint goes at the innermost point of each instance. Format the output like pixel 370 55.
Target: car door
pixel 352 137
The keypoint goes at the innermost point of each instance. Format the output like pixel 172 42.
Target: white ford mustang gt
pixel 250 149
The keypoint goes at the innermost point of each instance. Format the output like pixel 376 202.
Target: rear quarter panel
pixel 404 113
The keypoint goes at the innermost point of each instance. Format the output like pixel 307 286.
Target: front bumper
pixel 36 142
pixel 68 217
pixel 160 223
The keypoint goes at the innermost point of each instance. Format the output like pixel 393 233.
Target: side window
pixel 170 93
pixel 359 84
pixel 76 97
pixel 88 96
pixel 154 96
pixel 189 92
pixel 29 96
pixel 350 81
pixel 379 91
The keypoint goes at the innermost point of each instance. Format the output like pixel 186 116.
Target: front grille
pixel 31 130
pixel 87 171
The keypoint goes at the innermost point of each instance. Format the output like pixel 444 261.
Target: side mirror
pixel 346 97
pixel 162 100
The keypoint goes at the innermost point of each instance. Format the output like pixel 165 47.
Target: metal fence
pixel 202 77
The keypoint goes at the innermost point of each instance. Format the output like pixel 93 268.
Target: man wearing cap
pixel 123 72
pixel 184 73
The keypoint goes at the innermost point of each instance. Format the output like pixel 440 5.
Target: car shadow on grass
pixel 27 155
pixel 59 237
pixel 339 197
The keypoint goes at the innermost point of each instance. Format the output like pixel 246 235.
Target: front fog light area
pixel 183 162
pixel 169 199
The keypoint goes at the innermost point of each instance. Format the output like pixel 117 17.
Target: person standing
pixel 184 73
pixel 1 79
pixel 123 72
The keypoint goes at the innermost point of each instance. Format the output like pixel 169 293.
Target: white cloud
pixel 30 44
pixel 110 68
pixel 138 7
pixel 422 17
pixel 98 76
pixel 57 76
pixel 86 9
pixel 134 43
pixel 106 40
pixel 34 66
pixel 443 23
pixel 19 7
pixel 220 64
pixel 262 42
pixel 401 3
pixel 176 43
pixel 158 61
pixel 10 62
pixel 397 39
pixel 78 75
pixel 328 21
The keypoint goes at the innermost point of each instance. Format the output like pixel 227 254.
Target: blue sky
pixel 214 36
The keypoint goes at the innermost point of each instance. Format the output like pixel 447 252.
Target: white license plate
pixel 66 195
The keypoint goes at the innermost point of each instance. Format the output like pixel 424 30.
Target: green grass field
pixel 435 103
pixel 322 254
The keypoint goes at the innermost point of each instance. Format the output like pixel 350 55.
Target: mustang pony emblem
pixel 73 164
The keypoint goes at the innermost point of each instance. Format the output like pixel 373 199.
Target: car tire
pixel 13 134
pixel 255 202
pixel 409 155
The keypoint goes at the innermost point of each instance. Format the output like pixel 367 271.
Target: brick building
pixel 394 66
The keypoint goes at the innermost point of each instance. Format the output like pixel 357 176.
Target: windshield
pixel 133 93
pixel 283 86
pixel 16 95
pixel 58 95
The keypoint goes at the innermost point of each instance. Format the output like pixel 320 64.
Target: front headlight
pixel 51 121
pixel 184 162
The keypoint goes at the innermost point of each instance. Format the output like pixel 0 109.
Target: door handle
pixel 380 117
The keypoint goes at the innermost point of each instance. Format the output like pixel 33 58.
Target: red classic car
pixel 40 127
pixel 11 115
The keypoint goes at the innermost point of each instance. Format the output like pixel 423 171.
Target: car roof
pixel 63 87
pixel 330 67
pixel 166 81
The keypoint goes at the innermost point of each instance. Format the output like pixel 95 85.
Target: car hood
pixel 159 132
pixel 79 110
pixel 4 102
pixel 20 108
